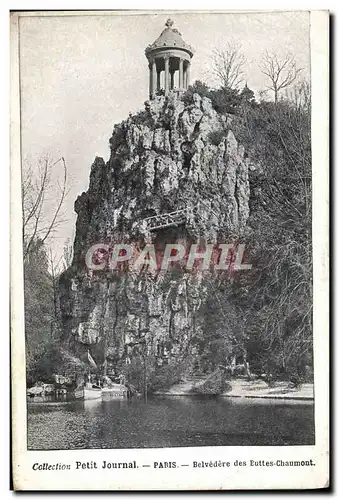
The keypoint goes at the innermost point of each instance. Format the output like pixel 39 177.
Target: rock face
pixel 166 158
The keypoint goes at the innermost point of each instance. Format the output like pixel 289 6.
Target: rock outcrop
pixel 163 159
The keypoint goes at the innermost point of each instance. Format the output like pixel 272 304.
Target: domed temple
pixel 169 60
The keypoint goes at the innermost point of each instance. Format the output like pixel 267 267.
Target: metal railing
pixel 167 220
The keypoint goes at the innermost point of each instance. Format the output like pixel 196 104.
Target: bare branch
pixel 38 195
pixel 41 188
pixel 228 65
pixel 282 72
pixel 61 200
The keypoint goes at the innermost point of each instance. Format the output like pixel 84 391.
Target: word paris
pixel 220 257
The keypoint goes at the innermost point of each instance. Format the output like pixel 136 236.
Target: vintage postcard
pixel 169 214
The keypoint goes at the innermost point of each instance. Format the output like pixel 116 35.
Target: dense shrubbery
pixel 224 100
pixel 274 301
pixel 38 310
pixel 145 372
pixel 214 385
pixel 167 375
pixel 280 291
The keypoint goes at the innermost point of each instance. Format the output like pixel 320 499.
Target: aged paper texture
pixel 169 209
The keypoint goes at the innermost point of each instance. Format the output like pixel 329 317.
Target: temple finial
pixel 169 23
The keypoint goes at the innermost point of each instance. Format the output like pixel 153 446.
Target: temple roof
pixel 170 38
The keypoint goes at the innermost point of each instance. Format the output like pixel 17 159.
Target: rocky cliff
pixel 170 156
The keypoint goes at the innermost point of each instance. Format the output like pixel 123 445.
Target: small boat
pixel 92 392
pixel 35 391
pixel 89 391
pixel 114 391
pixel 109 390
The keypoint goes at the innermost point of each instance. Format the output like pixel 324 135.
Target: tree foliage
pixel 224 100
pixel 268 311
pixel 38 305
pixel 278 309
pixel 43 196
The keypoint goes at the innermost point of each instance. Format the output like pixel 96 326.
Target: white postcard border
pixel 264 477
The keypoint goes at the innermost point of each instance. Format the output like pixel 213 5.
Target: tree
pixel 67 254
pixel 43 195
pixel 55 267
pixel 41 216
pixel 197 87
pixel 282 72
pixel 228 65
pixel 224 100
pixel 38 305
pixel 278 308
pixel 247 97
pixel 300 96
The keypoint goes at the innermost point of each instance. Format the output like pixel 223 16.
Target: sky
pixel 81 74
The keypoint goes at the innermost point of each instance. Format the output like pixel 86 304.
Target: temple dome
pixel 170 38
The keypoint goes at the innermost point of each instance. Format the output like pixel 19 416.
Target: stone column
pixel 181 74
pixel 158 79
pixel 154 77
pixel 188 70
pixel 150 81
pixel 172 80
pixel 166 75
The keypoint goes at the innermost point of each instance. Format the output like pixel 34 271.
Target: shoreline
pixel 192 394
pixel 255 389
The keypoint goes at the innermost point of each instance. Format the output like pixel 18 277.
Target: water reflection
pixel 167 422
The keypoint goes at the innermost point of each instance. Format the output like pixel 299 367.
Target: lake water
pixel 168 422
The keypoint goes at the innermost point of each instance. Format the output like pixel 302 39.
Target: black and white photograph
pixel 167 205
